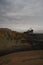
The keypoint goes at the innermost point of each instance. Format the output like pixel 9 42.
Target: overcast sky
pixel 21 14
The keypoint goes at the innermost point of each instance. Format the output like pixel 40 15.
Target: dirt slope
pixel 23 58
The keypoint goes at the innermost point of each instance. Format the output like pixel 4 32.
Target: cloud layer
pixel 21 14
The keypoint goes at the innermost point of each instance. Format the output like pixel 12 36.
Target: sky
pixel 21 15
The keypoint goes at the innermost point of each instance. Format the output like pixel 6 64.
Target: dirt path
pixel 23 58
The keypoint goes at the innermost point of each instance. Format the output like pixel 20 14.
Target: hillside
pixel 10 39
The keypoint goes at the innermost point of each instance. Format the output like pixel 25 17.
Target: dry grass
pixel 23 58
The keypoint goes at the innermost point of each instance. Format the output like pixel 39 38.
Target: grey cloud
pixel 21 13
pixel 33 7
pixel 10 6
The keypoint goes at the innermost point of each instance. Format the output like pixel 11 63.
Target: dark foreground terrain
pixel 20 48
pixel 23 58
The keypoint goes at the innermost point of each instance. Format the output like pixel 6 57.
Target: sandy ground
pixel 23 58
